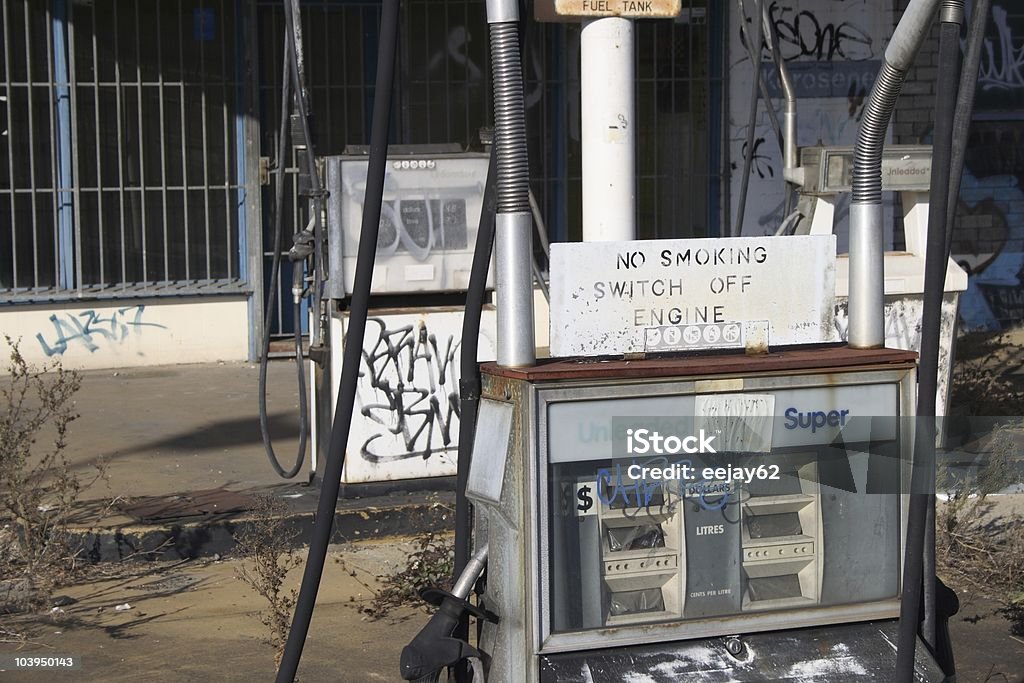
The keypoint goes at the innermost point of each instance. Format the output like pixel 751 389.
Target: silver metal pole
pixel 513 244
pixel 867 257
pixel 867 283
pixel 513 228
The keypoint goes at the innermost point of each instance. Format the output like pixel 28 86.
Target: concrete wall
pixel 130 332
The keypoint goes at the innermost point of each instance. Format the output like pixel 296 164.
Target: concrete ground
pixel 184 460
pixel 196 621
pixel 183 428
pixel 168 432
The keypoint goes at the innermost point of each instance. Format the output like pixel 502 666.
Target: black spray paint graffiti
pixel 996 148
pixel 89 329
pixel 414 394
pixel 761 163
pixel 804 35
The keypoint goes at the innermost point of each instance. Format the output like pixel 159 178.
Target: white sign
pixel 607 297
pixel 623 8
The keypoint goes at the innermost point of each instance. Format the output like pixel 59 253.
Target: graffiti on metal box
pixel 409 388
pixel 92 331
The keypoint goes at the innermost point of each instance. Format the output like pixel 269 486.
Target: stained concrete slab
pixel 183 428
pixel 177 441
pixel 196 621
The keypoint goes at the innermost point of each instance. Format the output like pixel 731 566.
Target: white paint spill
pixel 636 677
pixel 888 641
pixel 704 656
pixel 714 665
pixel 1011 490
pixel 816 669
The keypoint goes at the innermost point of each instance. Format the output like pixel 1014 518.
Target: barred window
pixel 120 168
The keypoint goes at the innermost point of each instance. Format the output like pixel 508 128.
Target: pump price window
pixel 799 511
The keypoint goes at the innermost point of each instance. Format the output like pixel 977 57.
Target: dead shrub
pixel 973 543
pixel 266 546
pixel 38 489
pixel 980 386
pixel 430 565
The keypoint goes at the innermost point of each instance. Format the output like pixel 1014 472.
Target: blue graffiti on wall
pixel 988 235
pixel 90 329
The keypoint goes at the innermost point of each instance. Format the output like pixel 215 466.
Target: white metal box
pixel 406 422
pixel 428 224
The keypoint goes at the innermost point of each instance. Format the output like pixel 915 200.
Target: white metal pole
pixel 608 130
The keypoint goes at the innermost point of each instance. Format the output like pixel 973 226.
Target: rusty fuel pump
pixel 702 480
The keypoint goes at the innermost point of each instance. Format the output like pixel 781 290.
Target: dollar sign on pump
pixel 586 500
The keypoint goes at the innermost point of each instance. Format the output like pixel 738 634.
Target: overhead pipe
pixel 867 285
pixel 762 85
pixel 790 157
pixel 961 127
pixel 513 223
pixel 965 102
pixel 469 387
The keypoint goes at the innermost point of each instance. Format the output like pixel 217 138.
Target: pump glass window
pixel 628 550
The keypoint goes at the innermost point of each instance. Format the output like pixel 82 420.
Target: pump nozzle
pixel 434 648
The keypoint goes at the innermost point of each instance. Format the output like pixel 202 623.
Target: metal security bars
pixel 442 96
pixel 442 92
pixel 679 109
pixel 122 166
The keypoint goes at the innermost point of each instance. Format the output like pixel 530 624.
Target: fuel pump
pixel 306 254
pixel 603 565
pixel 702 480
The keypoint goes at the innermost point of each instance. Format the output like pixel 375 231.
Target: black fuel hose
pixel 923 477
pixel 282 164
pixel 316 191
pixel 748 157
pixel 469 382
pixel 965 104
pixel 358 310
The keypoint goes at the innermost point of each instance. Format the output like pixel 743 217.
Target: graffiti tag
pixel 413 392
pixel 1002 68
pixel 90 329
pixel 802 34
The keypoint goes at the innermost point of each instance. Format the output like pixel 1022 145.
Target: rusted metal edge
pixel 815 358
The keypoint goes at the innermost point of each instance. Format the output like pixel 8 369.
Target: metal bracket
pixel 264 170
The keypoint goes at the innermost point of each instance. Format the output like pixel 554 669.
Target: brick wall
pixel 914 116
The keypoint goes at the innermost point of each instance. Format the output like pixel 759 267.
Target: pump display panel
pixel 771 506
pixel 429 217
